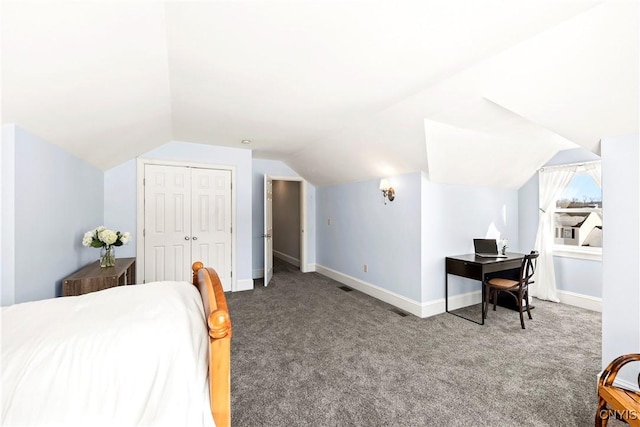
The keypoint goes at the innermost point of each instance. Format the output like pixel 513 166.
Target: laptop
pixel 487 248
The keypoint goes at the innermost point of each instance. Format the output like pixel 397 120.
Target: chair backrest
pixel 528 267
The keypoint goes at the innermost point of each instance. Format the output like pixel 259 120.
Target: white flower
pixel 101 236
pixel 88 238
pixel 108 237
pixel 125 237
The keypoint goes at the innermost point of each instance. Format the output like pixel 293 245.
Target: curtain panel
pixel 552 182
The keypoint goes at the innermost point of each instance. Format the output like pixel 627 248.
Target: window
pixel 578 215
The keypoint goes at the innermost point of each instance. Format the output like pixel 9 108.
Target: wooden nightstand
pixel 95 278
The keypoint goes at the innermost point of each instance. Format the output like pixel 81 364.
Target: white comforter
pixel 132 355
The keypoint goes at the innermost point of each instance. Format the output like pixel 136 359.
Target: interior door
pixel 167 223
pixel 268 229
pixel 211 221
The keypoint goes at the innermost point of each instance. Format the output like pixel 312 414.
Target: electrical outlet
pixel 366 268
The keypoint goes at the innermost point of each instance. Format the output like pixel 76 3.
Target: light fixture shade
pixel 384 184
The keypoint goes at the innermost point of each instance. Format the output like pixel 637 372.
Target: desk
pixel 477 268
pixel 95 278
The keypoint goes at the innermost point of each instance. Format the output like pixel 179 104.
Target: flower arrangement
pixel 106 239
pixel 504 246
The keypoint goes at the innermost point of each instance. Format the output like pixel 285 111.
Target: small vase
pixel 107 256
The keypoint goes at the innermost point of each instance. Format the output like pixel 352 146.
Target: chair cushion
pixel 503 283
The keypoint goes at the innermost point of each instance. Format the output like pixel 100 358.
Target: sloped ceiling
pixel 341 90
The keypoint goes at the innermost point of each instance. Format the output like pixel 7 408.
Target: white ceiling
pixel 340 90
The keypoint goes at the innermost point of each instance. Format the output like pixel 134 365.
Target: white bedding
pixel 131 355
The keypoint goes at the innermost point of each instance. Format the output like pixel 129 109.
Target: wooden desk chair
pixel 614 401
pixel 518 289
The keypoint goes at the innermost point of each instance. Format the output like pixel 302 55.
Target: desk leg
pixel 482 302
pixel 446 292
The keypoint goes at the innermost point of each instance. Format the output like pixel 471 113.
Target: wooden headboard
pixel 219 325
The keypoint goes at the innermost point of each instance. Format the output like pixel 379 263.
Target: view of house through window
pixel 578 218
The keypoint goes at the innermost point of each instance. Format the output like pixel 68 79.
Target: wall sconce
pixel 387 191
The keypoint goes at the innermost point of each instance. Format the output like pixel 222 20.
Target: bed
pixel 152 354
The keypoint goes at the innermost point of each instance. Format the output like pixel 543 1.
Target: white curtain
pixel 594 170
pixel 552 181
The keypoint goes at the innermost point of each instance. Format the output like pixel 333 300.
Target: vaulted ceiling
pixel 478 92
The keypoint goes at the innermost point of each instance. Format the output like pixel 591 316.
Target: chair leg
pixel 602 408
pixel 487 298
pixel 495 298
pixel 526 297
pixel 520 309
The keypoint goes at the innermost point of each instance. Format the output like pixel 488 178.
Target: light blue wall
pixel 406 241
pixel 452 216
pixel 581 276
pixel 57 198
pixel 7 216
pixel 621 251
pixel 574 275
pixel 276 167
pixel 364 230
pixel 120 204
pixel 121 182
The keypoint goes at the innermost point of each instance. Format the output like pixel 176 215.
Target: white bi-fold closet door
pixel 187 218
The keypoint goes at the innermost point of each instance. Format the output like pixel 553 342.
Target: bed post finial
pixel 195 267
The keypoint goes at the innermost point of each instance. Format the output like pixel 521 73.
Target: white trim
pixel 287 258
pixel 580 300
pixel 569 165
pixel 425 309
pixel 309 268
pixel 619 382
pixel 244 285
pixel 567 251
pixel 627 385
pixel 432 308
pixel 464 300
pixel 377 292
pixel 141 162
pixel 258 273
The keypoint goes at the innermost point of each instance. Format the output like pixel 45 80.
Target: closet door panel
pixel 211 220
pixel 167 223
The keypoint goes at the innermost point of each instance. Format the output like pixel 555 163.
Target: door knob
pixel 194 238
pixel 186 237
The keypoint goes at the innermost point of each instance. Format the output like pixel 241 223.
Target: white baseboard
pixel 287 258
pixel 580 300
pixel 258 273
pixel 619 382
pixel 244 285
pixel 377 292
pixel 426 309
pixel 627 385
pixel 309 268
pixel 432 308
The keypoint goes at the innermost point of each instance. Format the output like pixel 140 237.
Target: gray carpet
pixel 305 353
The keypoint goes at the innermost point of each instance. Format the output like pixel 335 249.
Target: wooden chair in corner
pixel 616 402
pixel 518 289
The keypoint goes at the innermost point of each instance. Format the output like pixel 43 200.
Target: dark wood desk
pixel 477 268
pixel 95 278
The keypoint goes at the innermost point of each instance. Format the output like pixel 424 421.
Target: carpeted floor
pixel 306 353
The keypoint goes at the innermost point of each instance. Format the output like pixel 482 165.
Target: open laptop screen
pixel 485 246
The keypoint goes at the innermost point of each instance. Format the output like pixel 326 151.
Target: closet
pixel 187 218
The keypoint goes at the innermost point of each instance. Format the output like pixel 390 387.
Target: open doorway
pixel 291 212
pixel 287 221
